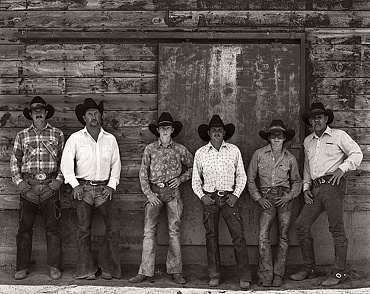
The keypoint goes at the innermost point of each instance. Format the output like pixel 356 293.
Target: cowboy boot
pixel 308 255
pixel 338 275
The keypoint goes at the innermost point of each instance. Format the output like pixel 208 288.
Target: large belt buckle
pixel 161 185
pixel 221 193
pixel 40 177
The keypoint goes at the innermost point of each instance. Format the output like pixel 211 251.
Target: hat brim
pixel 81 109
pixel 48 108
pixel 176 125
pixel 203 132
pixel 289 133
pixel 328 112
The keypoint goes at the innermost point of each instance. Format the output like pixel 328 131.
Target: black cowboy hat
pixel 165 119
pixel 36 103
pixel 277 126
pixel 215 121
pixel 88 103
pixel 318 108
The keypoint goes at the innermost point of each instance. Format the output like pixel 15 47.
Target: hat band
pixel 165 122
pixel 277 129
pixel 37 106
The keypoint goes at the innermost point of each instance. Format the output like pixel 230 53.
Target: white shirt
pixel 85 158
pixel 221 170
pixel 324 155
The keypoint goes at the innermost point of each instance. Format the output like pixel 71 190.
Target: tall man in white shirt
pixel 329 153
pixel 218 180
pixel 91 165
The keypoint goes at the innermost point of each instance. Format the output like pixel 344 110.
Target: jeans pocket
pixel 20 211
pixel 57 212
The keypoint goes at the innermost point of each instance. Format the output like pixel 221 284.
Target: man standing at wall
pixel 160 177
pixel 280 182
pixel 329 153
pixel 218 180
pixel 91 164
pixel 35 170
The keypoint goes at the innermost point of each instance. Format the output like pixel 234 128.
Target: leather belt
pixel 272 190
pixel 93 183
pixel 161 185
pixel 321 180
pixel 39 176
pixel 219 193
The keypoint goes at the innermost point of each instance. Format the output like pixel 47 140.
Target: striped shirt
pixel 161 164
pixel 221 170
pixel 282 172
pixel 37 152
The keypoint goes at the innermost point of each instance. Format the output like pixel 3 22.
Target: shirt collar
pixel 160 145
pixel 223 145
pixel 269 149
pixel 102 131
pixel 327 131
pixel 32 127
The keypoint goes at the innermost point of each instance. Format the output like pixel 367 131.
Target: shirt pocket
pixel 30 150
pixel 84 152
pixel 52 146
pixel 283 171
pixel 107 152
pixel 331 149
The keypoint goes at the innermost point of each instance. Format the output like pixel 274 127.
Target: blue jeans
pixel 108 258
pixel 266 269
pixel 174 260
pixel 50 209
pixel 327 198
pixel 234 222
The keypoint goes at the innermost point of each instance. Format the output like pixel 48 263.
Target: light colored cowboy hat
pixel 318 108
pixel 216 121
pixel 165 119
pixel 37 103
pixel 88 103
pixel 277 126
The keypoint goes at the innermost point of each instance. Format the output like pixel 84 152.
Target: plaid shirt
pixel 160 164
pixel 218 170
pixel 37 152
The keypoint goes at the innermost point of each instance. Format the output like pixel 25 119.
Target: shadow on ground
pixel 195 275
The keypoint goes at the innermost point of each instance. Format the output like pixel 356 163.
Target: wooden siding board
pixel 340 86
pixel 340 69
pixel 130 52
pixel 63 103
pixel 12 52
pixel 130 69
pixel 347 53
pixel 345 102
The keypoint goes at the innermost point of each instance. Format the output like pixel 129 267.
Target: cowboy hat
pixel 88 103
pixel 318 108
pixel 36 103
pixel 277 126
pixel 216 121
pixel 165 119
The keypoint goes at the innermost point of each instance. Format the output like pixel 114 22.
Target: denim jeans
pixel 329 198
pixel 108 258
pixel 50 209
pixel 266 268
pixel 234 222
pixel 174 260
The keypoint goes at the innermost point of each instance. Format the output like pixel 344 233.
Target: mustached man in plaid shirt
pixel 35 170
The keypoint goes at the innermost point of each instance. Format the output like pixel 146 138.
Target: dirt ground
pixel 38 281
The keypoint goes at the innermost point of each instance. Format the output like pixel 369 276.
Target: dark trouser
pixel 234 222
pixel 329 198
pixel 108 258
pixel 266 269
pixel 50 209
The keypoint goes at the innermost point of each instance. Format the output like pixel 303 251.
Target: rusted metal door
pixel 247 85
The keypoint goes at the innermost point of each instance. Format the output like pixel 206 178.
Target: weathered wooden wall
pixel 66 51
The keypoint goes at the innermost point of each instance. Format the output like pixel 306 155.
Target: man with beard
pixel 35 170
pixel 91 164
pixel 280 182
pixel 329 153
pixel 218 180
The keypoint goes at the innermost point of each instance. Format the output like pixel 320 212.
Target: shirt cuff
pixel 306 186
pixel 74 183
pixel 112 183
